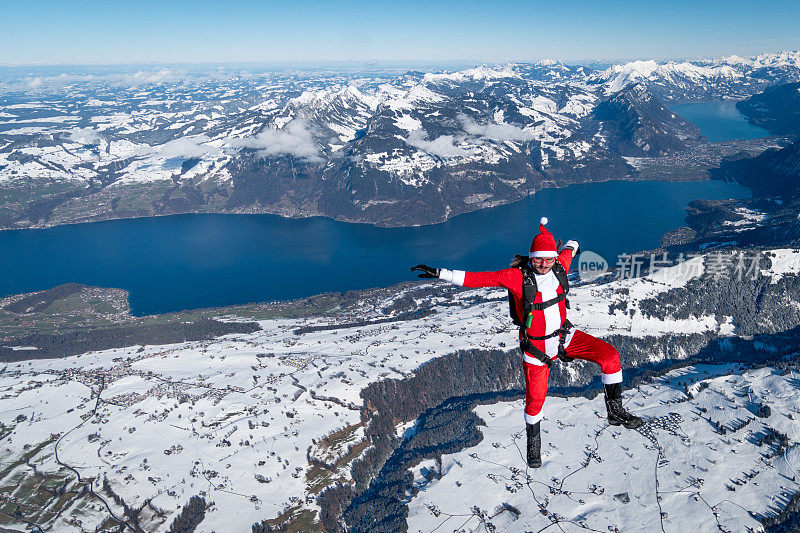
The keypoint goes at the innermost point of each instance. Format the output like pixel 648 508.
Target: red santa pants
pixel 581 346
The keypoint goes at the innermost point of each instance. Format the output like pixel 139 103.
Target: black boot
pixel 617 415
pixel 534 445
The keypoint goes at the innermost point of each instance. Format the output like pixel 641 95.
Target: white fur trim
pixel 545 253
pixel 532 360
pixel 568 338
pixel 543 221
pixel 532 419
pixel 610 379
pixel 453 276
pixel 572 244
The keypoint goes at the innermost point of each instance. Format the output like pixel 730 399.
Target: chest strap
pixel 552 301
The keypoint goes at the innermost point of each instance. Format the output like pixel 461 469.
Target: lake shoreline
pixel 688 165
pixel 196 261
pixel 632 178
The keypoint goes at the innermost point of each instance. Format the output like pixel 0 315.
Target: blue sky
pixel 90 31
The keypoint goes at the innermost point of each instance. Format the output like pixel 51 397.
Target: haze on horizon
pixel 181 31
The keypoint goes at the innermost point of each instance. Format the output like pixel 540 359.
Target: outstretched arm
pixel 453 276
pixel 502 278
pixel 568 252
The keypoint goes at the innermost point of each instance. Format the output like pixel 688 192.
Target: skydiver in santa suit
pixel 538 285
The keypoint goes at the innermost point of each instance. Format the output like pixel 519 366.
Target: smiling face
pixel 542 265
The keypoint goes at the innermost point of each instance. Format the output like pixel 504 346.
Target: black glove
pixel 427 272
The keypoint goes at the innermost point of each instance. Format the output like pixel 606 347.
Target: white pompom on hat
pixel 543 245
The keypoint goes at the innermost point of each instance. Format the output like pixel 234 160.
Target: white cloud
pixel 293 139
pixel 35 81
pixel 496 132
pixel 187 147
pixel 84 135
pixel 161 76
pixel 442 146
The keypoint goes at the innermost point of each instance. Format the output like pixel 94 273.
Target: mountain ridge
pixel 407 149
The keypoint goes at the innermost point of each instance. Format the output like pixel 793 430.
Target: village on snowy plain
pixel 244 421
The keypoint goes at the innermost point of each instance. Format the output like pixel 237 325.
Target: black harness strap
pixel 529 290
pixel 562 352
pixel 526 345
pixel 552 301
pixel 565 327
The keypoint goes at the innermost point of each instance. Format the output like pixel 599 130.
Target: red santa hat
pixel 543 245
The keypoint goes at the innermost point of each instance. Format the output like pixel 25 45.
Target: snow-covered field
pixel 676 473
pixel 236 419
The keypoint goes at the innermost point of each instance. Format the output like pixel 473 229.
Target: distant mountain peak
pixel 730 77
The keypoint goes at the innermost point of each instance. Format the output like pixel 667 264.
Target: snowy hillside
pixel 706 460
pixel 263 423
pixel 730 77
pixel 389 149
pixel 683 74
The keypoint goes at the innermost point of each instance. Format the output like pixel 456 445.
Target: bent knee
pixel 610 361
pixel 609 352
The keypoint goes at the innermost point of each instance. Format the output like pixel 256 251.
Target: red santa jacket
pixel 545 321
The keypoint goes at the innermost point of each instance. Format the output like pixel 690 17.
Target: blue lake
pixel 719 121
pixel 191 261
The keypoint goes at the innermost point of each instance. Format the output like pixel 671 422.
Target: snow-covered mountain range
pixel 730 77
pixel 390 149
